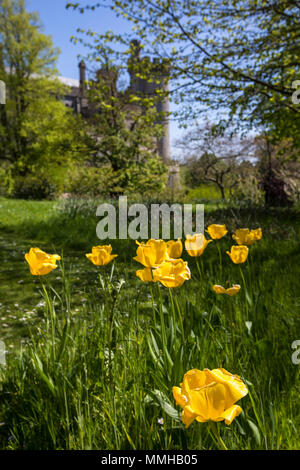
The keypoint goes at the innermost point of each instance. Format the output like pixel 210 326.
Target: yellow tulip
pixel 216 231
pixel 230 291
pixel 238 254
pixel 172 273
pixel 101 255
pixel 257 233
pixel 209 395
pixel 40 263
pixel 174 248
pixel 244 236
pixel 196 244
pixel 145 275
pixel 152 253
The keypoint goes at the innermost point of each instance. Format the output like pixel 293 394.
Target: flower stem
pixel 51 311
pixel 216 433
pixel 111 325
pixel 198 267
pixel 220 256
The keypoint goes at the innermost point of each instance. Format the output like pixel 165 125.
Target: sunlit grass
pixel 57 391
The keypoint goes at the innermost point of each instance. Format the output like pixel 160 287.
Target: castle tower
pixel 163 106
pixel 82 77
pixel 161 72
pixel 82 100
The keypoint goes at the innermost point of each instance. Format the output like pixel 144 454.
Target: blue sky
pixel 61 24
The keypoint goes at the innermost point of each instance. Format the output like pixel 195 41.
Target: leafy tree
pixel 36 129
pixel 123 130
pixel 238 55
pixel 213 155
pixel 279 174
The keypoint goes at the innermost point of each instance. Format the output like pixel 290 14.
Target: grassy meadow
pixel 93 352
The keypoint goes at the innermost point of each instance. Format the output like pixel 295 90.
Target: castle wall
pixel 145 87
pixel 164 143
pixel 76 98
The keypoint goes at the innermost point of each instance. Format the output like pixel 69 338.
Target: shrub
pixel 204 192
pixel 6 182
pixel 88 181
pixel 33 187
pixel 274 188
pixel 248 192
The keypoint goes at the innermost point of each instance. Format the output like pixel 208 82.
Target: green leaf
pixel 165 405
pixel 255 431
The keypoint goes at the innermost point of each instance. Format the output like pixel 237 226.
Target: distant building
pixel 76 98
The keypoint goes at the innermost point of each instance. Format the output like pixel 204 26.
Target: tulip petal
pixel 145 275
pixel 209 402
pixel 209 395
pixel 188 416
pixel 238 254
pixel 235 386
pixel 40 262
pixel 231 413
pixel 152 253
pixel 233 290
pixel 101 255
pixel 179 398
pixel 174 248
pixel 219 289
pixel 172 273
pixel 216 231
pixel 196 244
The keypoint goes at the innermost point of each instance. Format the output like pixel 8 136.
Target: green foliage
pixel 137 179
pixel 123 135
pixel 37 131
pixel 33 187
pixel 56 390
pixel 248 192
pixel 6 181
pixel 215 156
pixel 241 56
pixel 53 132
pixel 24 51
pixel 143 177
pixel 209 169
pixel 203 192
pixel 88 181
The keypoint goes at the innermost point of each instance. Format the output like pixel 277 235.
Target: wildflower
pixel 216 231
pixel 238 254
pixel 174 248
pixel 40 263
pixel 230 291
pixel 172 273
pixel 160 421
pixel 196 244
pixel 244 236
pixel 209 395
pixel 101 255
pixel 152 253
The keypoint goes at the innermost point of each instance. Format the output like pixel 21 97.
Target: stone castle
pixel 76 97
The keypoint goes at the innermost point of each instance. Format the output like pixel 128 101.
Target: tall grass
pixel 99 375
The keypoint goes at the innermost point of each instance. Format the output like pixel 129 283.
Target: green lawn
pixel 71 384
